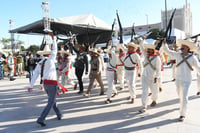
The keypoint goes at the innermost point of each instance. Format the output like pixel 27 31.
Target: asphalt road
pixel 19 110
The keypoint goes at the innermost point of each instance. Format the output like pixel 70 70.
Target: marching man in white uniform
pixel 111 74
pixel 130 61
pixel 185 61
pixel 150 75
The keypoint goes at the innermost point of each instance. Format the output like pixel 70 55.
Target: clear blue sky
pixel 27 11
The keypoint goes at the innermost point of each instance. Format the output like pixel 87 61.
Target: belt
pixel 120 65
pixel 50 82
pixel 129 68
pixel 94 69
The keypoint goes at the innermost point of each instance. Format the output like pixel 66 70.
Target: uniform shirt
pixel 49 72
pixel 10 61
pixel 19 59
pixel 183 72
pixel 135 58
pixel 148 71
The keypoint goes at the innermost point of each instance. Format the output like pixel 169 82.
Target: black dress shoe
pixel 132 100
pixel 75 86
pixel 108 101
pixel 59 117
pixel 80 92
pixel 153 104
pixel 102 93
pixel 120 89
pixel 12 79
pixel 181 118
pixel 42 124
pixel 114 94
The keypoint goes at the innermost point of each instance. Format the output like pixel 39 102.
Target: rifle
pixel 120 29
pixel 133 32
pixel 111 32
pixel 169 27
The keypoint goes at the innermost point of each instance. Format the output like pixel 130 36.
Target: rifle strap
pixel 149 62
pixel 42 70
pixel 185 60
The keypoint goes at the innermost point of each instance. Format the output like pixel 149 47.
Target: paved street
pixel 19 110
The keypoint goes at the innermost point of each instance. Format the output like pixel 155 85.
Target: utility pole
pixel 166 13
pixel 147 21
pixel 12 36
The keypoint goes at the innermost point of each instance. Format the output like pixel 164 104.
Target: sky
pixel 24 12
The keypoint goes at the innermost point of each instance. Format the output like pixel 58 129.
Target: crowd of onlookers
pixel 17 64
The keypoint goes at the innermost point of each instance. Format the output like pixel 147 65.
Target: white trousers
pixel 198 82
pixel 19 68
pixel 111 85
pixel 120 75
pixel 173 71
pixel 146 85
pixel 182 90
pixel 130 76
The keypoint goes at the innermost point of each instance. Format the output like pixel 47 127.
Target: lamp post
pixel 166 13
pixel 12 36
pixel 147 21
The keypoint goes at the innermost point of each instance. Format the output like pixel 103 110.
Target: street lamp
pixel 147 21
pixel 146 18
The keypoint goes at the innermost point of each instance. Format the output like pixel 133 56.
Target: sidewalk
pixel 19 110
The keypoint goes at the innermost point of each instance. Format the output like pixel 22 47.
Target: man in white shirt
pixel 49 78
pixel 111 74
pixel 150 75
pixel 130 60
pixel 185 61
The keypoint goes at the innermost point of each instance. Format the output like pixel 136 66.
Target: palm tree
pixel 5 42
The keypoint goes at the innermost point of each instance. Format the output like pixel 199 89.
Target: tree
pixel 156 33
pixel 23 48
pixel 5 42
pixel 33 49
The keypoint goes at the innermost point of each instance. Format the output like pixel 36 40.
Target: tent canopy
pixel 88 28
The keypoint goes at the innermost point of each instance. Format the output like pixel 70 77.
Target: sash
pixel 149 62
pixel 129 55
pixel 185 60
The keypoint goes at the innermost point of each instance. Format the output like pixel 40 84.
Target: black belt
pixel 129 68
pixel 94 69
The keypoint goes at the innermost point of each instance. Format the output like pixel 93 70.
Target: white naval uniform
pixel 130 75
pixel 183 76
pixel 120 71
pixel 110 73
pixel 148 76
